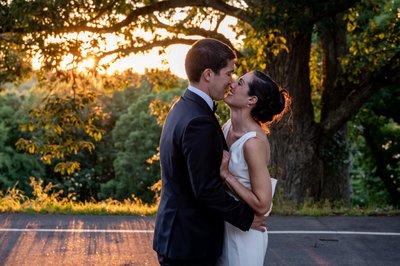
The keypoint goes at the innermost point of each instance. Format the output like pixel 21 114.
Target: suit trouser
pixel 164 261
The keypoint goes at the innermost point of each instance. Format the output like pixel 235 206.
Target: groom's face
pixel 222 80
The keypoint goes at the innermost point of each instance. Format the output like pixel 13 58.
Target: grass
pixel 326 208
pixel 45 200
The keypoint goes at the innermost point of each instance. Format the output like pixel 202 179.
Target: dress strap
pixel 240 142
pixel 247 136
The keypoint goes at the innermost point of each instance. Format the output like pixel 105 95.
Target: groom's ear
pixel 207 74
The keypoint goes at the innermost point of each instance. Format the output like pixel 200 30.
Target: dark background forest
pixel 96 135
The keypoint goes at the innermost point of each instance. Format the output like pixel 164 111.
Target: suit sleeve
pixel 203 153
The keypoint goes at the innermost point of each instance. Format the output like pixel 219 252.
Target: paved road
pixel 124 240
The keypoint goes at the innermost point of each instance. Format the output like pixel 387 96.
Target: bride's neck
pixel 241 121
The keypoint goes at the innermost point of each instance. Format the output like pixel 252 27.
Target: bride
pixel 254 100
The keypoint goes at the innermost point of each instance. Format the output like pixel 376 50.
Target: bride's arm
pixel 259 198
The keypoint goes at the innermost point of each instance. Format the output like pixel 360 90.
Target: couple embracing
pixel 213 202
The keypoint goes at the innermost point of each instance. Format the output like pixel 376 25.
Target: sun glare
pixel 172 58
pixel 86 65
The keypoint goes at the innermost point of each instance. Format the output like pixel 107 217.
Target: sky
pixel 174 55
pixel 173 58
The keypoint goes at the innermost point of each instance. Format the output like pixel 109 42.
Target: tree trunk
pixel 337 161
pixel 335 181
pixel 295 161
pixel 307 163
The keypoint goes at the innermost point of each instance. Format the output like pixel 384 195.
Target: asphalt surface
pixel 125 240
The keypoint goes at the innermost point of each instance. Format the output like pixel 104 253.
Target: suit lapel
pixel 191 96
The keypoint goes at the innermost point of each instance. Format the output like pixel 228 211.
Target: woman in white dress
pixel 254 101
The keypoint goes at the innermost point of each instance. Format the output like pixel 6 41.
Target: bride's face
pixel 238 96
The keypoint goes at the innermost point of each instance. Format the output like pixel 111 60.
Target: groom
pixel 194 205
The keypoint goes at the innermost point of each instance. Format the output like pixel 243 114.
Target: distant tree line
pixel 119 163
pixel 124 162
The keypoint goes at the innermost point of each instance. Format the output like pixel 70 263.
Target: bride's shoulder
pixel 260 138
pixel 260 134
pixel 258 145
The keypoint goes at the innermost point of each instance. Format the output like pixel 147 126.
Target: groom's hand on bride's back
pixel 259 223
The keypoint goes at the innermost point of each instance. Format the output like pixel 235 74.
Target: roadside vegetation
pixel 46 200
pixel 43 200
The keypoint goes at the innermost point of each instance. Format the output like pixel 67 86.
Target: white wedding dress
pixel 242 248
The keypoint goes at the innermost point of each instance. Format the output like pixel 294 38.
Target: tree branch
pixel 195 31
pixel 103 10
pixel 388 75
pixel 146 47
pixel 331 9
pixel 163 6
pixel 221 18
pixel 189 16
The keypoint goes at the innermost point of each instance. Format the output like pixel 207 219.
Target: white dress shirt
pixel 203 95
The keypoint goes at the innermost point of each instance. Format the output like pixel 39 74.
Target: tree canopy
pixel 367 56
pixel 354 46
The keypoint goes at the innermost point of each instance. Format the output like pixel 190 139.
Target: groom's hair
pixel 207 53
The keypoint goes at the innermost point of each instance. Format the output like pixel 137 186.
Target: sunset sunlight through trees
pixel 171 57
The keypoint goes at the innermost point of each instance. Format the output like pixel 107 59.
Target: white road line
pixel 336 233
pixel 75 230
pixel 152 231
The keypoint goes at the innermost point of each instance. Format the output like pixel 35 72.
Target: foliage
pixel 160 109
pixel 46 200
pixel 136 136
pixel 15 168
pixel 96 166
pixel 259 47
pixel 373 28
pixel 116 93
pixel 60 116
pixel 328 208
pixel 64 126
pixel 161 80
pixel 96 169
pixel 15 61
pixel 13 66
pixel 376 140
pixel 315 65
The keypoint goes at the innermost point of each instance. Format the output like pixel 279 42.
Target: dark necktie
pixel 215 105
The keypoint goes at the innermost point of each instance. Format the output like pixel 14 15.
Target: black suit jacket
pixel 194 204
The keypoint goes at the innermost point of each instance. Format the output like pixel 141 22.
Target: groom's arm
pixel 202 150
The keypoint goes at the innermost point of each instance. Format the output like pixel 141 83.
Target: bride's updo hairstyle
pixel 272 101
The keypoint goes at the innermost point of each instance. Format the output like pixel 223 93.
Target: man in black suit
pixel 194 205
